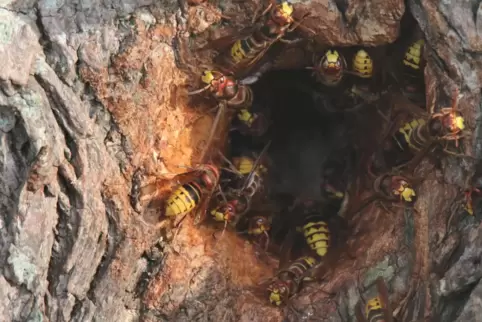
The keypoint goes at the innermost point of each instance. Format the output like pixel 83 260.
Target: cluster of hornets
pixel 230 189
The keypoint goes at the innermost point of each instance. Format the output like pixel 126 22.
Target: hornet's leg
pixel 213 130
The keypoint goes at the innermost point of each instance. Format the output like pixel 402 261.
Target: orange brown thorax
pixel 331 67
pixel 224 87
pixel 449 121
pixel 279 17
pixel 210 176
pixel 278 22
pixel 398 185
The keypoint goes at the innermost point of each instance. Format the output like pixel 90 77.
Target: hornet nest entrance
pixel 302 162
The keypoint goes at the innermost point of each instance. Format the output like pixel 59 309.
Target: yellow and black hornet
pixel 394 188
pixel 226 88
pixel 258 228
pixel 362 68
pixel 377 309
pixel 446 125
pixel 329 68
pixel 228 92
pixel 288 281
pixel 194 194
pixel 236 201
pixel 413 67
pixel 245 52
pixel 317 234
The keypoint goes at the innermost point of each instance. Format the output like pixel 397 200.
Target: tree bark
pixel 91 93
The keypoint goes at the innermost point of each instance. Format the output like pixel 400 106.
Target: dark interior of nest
pixel 308 164
pixel 320 139
pixel 313 143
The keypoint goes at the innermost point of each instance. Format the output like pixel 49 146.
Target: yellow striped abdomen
pixel 363 64
pixel 183 200
pixel 243 164
pixel 317 235
pixel 245 49
pixel 287 282
pixel 237 52
pixel 405 132
pixel 300 266
pixel 413 55
pixel 374 310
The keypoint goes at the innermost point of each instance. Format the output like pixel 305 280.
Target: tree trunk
pixel 91 93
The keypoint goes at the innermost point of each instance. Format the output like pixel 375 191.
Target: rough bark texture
pixel 90 92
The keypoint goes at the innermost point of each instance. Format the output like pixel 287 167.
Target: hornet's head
pixel 282 13
pixel 456 122
pixel 207 77
pixel 259 225
pixel 213 79
pixel 373 304
pixel 224 212
pixel 405 191
pixel 278 292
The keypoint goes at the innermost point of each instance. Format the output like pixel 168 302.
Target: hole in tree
pixel 319 136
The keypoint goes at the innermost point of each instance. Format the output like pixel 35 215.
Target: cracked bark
pixel 72 108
